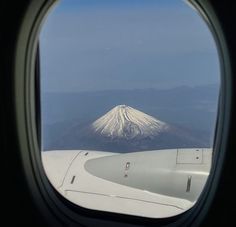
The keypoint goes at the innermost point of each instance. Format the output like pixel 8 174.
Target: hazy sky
pixel 89 45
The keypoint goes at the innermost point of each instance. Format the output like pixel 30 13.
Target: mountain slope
pixel 125 129
pixel 126 122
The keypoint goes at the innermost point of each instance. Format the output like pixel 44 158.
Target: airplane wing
pixel 155 184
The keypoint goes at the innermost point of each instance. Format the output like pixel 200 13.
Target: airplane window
pixel 129 99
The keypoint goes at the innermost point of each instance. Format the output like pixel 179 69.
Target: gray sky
pixel 89 45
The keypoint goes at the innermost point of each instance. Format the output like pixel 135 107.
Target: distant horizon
pixel 137 89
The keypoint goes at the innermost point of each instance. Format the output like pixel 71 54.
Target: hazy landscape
pixel 189 112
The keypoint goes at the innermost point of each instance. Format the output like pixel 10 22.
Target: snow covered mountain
pixel 126 122
pixel 125 129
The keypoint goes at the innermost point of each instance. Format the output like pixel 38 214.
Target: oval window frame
pixel 27 106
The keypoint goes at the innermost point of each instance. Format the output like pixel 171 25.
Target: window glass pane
pixel 129 95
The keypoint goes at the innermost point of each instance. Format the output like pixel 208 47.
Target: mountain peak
pixel 121 106
pixel 126 122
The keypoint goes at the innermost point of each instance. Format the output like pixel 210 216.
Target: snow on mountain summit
pixel 126 122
